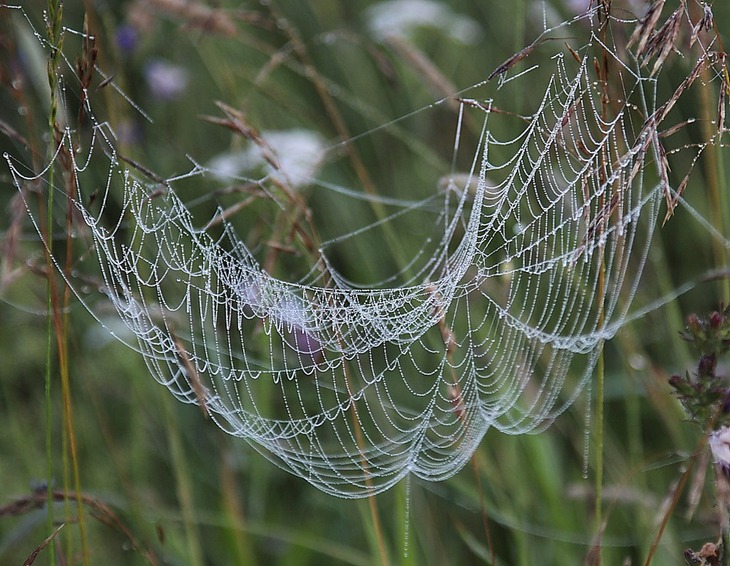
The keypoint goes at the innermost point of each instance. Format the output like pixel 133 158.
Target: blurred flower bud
pixel 681 385
pixel 716 319
pixel 726 404
pixel 706 366
pixel 693 323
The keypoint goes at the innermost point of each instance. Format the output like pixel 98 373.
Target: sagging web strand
pixel 352 389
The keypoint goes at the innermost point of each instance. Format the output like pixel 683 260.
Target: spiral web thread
pixel 497 325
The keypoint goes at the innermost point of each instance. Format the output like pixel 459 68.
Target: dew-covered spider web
pixel 528 260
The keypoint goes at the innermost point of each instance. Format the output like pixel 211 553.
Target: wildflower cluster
pixel 706 394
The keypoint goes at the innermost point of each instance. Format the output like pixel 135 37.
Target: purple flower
pixel 129 132
pixel 301 333
pixel 126 38
pixel 305 343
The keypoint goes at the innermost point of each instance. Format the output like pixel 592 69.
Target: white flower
pixel 401 17
pixel 165 80
pixel 720 448
pixel 299 154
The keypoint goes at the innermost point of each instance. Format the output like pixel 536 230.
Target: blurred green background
pixel 177 490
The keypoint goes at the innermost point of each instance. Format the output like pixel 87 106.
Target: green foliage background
pixel 185 493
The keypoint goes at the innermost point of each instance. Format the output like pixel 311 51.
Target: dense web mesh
pixel 495 322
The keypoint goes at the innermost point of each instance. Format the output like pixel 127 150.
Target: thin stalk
pixel 600 388
pixel 237 533
pixel 55 37
pixel 482 510
pixel 56 307
pixel 604 14
pixel 678 489
pixel 716 180
pixel 599 418
pixel 377 526
pixel 372 501
pixel 49 437
pixel 408 556
pixel 70 449
pixel 520 19
pixel 184 486
pixel 449 341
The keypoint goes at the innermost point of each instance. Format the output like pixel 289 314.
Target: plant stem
pixel 183 485
pixel 716 180
pixel 603 71
pixel 600 371
pixel 372 501
pixel 55 37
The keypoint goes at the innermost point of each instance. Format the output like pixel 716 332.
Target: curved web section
pixel 354 388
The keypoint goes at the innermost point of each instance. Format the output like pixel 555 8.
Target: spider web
pixel 496 322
